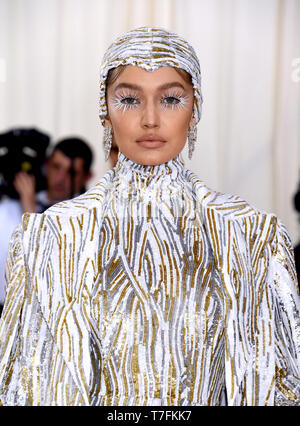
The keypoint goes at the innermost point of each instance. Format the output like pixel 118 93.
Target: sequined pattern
pixel 150 289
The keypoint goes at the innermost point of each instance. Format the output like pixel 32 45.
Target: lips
pixel 151 138
pixel 151 141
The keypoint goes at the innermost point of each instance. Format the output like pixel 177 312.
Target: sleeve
pixel 33 370
pixel 15 277
pixel 286 321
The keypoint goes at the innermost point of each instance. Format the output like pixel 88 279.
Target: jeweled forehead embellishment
pixel 151 48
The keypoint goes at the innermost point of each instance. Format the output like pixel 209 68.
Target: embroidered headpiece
pixel 151 48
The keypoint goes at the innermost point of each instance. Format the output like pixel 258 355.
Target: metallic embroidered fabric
pixel 151 48
pixel 150 289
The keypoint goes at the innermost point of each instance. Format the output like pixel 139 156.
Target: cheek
pixel 178 124
pixel 123 124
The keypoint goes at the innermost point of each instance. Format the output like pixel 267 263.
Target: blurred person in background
pixel 68 169
pixel 22 152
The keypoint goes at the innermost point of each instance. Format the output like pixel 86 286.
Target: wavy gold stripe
pixel 93 224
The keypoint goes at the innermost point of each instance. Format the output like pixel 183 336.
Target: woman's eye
pixel 171 100
pixel 174 101
pixel 124 101
pixel 129 101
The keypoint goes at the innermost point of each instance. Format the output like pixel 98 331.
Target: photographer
pixel 22 158
pixel 67 169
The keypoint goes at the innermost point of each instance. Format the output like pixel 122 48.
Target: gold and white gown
pixel 150 289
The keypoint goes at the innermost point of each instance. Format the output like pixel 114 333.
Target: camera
pixel 22 150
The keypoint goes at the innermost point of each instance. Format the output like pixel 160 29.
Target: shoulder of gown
pixel 224 205
pixel 255 258
pixel 92 198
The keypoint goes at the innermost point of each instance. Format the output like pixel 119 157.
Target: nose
pixel 150 115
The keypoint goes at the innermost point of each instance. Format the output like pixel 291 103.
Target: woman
pixel 150 289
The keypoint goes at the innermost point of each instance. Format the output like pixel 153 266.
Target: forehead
pixel 162 76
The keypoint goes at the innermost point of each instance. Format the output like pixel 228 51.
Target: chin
pixel 153 158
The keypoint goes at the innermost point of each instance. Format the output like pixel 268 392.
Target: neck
pixel 170 168
pixel 138 185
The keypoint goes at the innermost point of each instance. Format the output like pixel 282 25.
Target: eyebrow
pixel 136 87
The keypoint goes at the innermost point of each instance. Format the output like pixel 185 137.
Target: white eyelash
pixel 183 100
pixel 117 102
pixel 119 105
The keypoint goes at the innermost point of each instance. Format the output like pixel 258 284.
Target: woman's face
pixel 150 113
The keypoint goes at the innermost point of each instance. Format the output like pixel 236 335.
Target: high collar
pixel 161 172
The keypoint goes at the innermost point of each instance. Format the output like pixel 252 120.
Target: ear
pixel 107 122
